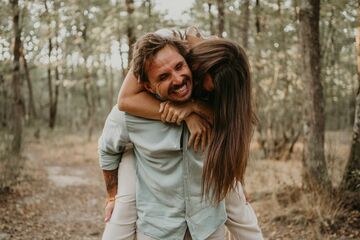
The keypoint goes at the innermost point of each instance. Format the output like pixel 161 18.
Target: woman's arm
pixel 134 99
pixel 178 112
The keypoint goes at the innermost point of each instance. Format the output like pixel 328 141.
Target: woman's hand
pixel 175 112
pixel 200 131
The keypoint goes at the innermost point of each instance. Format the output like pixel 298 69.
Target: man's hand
pixel 108 210
pixel 200 131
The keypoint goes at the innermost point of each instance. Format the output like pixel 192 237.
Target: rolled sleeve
pixel 113 140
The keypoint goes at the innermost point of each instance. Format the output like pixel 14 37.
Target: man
pixel 168 187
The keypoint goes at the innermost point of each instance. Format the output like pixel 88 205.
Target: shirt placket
pixel 186 176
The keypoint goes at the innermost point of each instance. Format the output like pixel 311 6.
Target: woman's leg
pixel 242 222
pixel 122 224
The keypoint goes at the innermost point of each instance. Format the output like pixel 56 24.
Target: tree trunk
pixel 51 98
pixel 110 77
pixel 130 28
pixel 351 178
pixel 50 83
pixel 315 170
pixel 123 69
pixel 4 102
pixel 54 106
pixel 257 16
pixel 17 127
pixel 211 18
pixel 149 8
pixel 221 16
pixel 245 24
pixel 32 108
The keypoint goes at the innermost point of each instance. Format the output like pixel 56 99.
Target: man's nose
pixel 177 78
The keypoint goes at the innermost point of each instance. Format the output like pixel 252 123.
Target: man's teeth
pixel 183 88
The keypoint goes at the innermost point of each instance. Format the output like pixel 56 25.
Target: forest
pixel 62 63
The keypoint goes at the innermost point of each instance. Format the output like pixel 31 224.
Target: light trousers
pixel 241 223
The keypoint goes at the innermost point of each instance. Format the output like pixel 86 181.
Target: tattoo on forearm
pixel 111 181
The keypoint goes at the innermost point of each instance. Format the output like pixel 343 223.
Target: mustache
pixel 177 86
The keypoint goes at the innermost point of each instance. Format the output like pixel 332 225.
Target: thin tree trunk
pixel 50 83
pixel 221 16
pixel 149 7
pixel 111 86
pixel 351 178
pixel 315 170
pixel 87 84
pixel 130 28
pixel 245 24
pixel 123 69
pixel 257 16
pixel 54 107
pixel 211 18
pixel 16 82
pixel 4 102
pixel 50 87
pixel 32 108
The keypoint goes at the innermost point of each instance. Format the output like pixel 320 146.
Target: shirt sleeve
pixel 113 140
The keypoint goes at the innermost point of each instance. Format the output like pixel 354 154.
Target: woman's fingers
pixel 175 117
pixel 197 142
pixel 179 120
pixel 162 106
pixel 191 140
pixel 203 140
pixel 169 116
pixel 164 112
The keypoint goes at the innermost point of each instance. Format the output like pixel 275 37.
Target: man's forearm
pixel 111 182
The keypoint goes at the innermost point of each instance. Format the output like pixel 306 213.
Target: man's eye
pixel 179 66
pixel 163 77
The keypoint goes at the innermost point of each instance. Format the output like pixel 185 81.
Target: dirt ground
pixel 60 195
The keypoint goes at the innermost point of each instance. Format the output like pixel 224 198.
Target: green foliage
pixel 276 63
pixel 93 45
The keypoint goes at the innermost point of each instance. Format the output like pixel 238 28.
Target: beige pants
pixel 241 223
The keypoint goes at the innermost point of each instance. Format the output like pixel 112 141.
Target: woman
pixel 223 70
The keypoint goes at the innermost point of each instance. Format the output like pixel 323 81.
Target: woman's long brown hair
pixel 234 118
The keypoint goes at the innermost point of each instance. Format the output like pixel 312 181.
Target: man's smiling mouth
pixel 181 89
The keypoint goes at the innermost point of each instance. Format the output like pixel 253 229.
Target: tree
pixel 351 178
pixel 16 81
pixel 31 106
pixel 53 91
pixel 221 17
pixel 211 17
pixel 245 24
pixel 257 16
pixel 130 27
pixel 315 170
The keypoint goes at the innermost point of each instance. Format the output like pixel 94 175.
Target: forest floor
pixel 60 195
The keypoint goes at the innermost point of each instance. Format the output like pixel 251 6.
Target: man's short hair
pixel 145 50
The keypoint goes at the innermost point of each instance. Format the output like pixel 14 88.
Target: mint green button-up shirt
pixel 169 175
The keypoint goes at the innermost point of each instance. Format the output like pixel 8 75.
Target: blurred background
pixel 62 64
